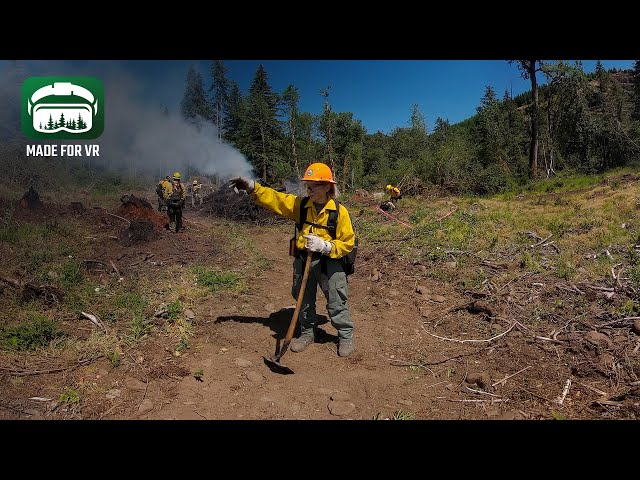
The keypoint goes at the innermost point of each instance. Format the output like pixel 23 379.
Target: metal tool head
pixel 277 367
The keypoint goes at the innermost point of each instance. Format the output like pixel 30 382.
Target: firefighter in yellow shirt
pixel 394 194
pixel 196 193
pixel 162 186
pixel 175 197
pixel 314 239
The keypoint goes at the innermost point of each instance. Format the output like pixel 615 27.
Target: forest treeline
pixel 587 123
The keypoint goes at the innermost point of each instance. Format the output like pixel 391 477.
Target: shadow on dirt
pixel 279 322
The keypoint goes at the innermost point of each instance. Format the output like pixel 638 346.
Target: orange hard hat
pixel 318 172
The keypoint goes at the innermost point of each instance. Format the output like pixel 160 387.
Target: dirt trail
pixel 237 332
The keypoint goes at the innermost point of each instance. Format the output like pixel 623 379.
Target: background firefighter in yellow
pixel 196 193
pixel 163 185
pixel 394 193
pixel 394 196
pixel 175 197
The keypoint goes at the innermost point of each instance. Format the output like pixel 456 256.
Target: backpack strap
pixel 332 224
pixel 303 214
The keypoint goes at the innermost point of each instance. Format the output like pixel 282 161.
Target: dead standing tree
pixel 327 111
pixel 528 69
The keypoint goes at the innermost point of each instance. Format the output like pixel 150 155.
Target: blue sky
pixel 380 93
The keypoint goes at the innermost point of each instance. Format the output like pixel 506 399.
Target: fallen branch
pixel 23 373
pixel 114 268
pixel 593 389
pixel 618 281
pixel 541 241
pixel 117 216
pixel 553 245
pixel 464 341
pixel 619 320
pixel 604 289
pixel 547 339
pixel 109 411
pixel 482 393
pixel 509 376
pixel 608 403
pixel 565 391
pixel 94 319
pixel 403 363
pixel 533 235
pixel 574 289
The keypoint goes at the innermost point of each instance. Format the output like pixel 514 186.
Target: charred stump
pixel 136 208
pixel 139 231
pixel 31 199
pixel 77 208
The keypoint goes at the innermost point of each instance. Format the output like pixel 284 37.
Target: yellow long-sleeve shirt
pixel 288 205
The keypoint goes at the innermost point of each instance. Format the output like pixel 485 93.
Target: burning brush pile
pixel 237 207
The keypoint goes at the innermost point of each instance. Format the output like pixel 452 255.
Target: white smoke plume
pixel 138 138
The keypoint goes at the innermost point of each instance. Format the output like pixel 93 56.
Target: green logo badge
pixel 62 108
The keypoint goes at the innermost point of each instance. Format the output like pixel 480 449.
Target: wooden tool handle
pixel 296 313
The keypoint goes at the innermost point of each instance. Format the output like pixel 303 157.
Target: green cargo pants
pixel 335 288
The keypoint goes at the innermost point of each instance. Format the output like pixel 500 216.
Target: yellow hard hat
pixel 388 187
pixel 176 176
pixel 318 172
pixel 195 182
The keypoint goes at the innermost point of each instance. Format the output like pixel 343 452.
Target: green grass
pixel 70 274
pixel 132 301
pixel 402 415
pixel 397 415
pixel 23 233
pixel 139 326
pixel 216 281
pixel 173 310
pixel 30 335
pixel 70 396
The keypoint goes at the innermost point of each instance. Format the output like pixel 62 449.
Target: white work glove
pixel 239 183
pixel 316 244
